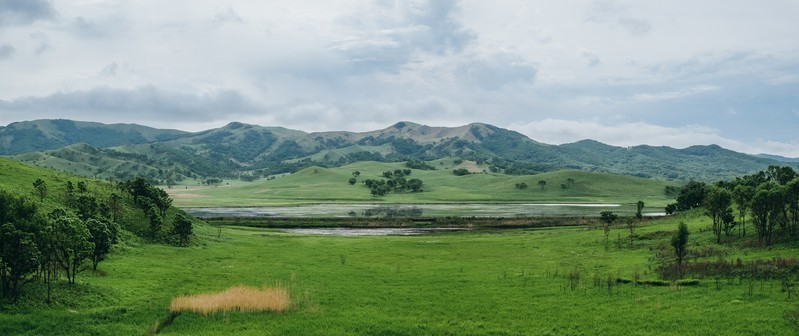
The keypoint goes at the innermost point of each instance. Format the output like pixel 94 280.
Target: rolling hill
pixel 245 151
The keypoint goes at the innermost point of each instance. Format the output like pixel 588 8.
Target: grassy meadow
pixel 514 282
pixel 329 185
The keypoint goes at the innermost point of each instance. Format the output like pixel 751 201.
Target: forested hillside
pixel 54 226
pixel 249 152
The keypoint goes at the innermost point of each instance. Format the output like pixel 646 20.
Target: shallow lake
pixel 372 231
pixel 418 210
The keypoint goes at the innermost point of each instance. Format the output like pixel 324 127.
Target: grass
pixel 329 185
pixel 234 299
pixel 505 282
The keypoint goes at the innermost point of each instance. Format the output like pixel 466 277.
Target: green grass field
pixel 329 185
pixel 512 282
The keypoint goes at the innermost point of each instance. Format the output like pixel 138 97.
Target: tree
pixel 72 244
pixel 521 186
pixel 101 236
pixel 671 208
pixel 792 200
pixel 41 189
pixel 607 217
pixel 352 181
pixel 542 183
pixel 717 202
pixel 115 205
pixel 691 196
pixel 631 225
pixel 766 208
pixel 86 206
pixel 20 258
pixel 82 187
pixel 679 241
pixel 182 227
pixel 742 195
pixel 19 255
pixel 639 208
pixel 356 174
pixel 460 172
pixel 415 185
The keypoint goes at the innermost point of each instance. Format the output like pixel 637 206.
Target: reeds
pixel 238 298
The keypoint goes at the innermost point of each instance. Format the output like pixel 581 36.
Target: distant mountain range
pixel 250 151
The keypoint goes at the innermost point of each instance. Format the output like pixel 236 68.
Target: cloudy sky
pixel 673 73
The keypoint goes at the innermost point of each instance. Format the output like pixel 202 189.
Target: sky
pixel 674 73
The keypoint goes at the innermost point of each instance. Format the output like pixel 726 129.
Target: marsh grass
pixel 237 298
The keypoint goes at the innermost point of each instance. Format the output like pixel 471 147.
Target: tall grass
pixel 237 298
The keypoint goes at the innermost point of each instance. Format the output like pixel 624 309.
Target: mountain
pixel 778 158
pixel 29 136
pixel 251 151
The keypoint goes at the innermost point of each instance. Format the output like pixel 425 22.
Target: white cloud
pixel 357 64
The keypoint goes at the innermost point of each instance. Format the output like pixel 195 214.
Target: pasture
pixel 551 281
pixel 315 185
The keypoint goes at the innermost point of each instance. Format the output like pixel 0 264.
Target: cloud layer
pixel 623 72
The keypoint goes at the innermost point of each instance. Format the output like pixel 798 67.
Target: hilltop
pixel 249 152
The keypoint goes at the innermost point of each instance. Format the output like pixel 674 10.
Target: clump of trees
pixel 769 199
pixel 460 171
pixel 74 236
pixel 418 164
pixel 395 181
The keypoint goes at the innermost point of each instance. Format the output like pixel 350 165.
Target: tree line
pixel 39 242
pixel 768 199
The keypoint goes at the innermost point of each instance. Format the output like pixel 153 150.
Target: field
pixel 329 185
pixel 511 282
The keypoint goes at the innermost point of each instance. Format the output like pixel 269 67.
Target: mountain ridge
pixel 251 151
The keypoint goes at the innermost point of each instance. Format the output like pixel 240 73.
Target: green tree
pixel 742 195
pixel 182 227
pixel 41 189
pixel 717 202
pixel 19 254
pixel 72 244
pixel 521 186
pixel 86 206
pixel 691 196
pixel 352 181
pixel 101 237
pixel 679 241
pixel 607 218
pixel 766 209
pixel 542 184
pixel 415 185
pixel 19 257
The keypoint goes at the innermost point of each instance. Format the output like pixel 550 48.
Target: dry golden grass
pixel 238 298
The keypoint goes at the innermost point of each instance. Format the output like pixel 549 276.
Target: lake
pixel 420 210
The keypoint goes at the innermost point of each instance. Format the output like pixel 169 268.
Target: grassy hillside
pixel 513 282
pixel 317 184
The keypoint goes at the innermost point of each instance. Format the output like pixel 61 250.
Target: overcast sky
pixel 673 73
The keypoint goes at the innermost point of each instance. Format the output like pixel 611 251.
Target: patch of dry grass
pixel 238 298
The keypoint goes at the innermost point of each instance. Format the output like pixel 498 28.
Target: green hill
pixel 251 151
pixel 322 185
pixel 29 136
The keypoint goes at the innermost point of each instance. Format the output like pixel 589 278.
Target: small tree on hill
pixel 182 228
pixel 607 218
pixel 542 183
pixel 101 236
pixel 679 241
pixel 41 189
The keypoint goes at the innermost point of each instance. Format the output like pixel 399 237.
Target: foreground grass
pixel 485 283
